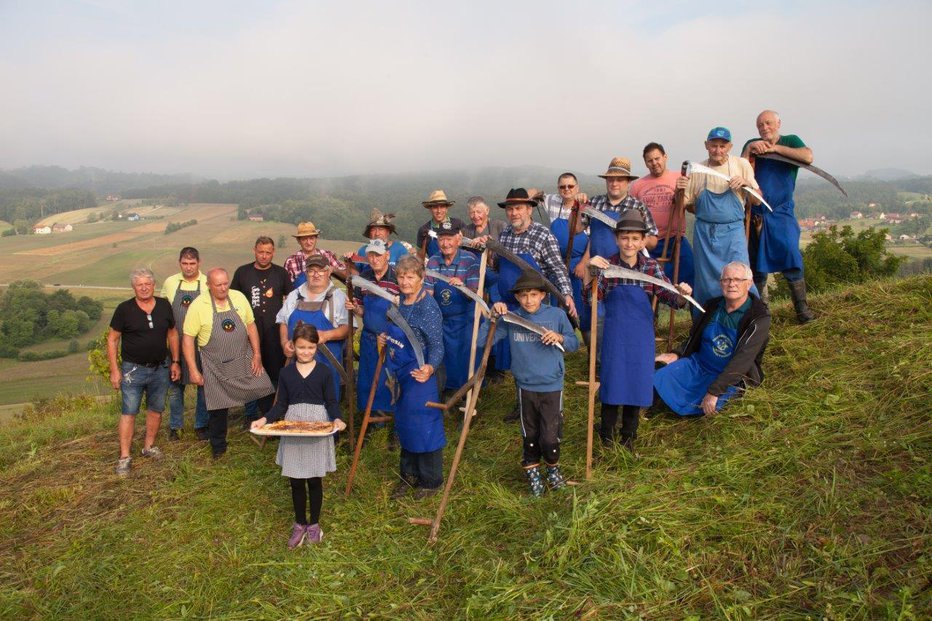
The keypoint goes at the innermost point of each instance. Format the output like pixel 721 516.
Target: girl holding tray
pixel 305 393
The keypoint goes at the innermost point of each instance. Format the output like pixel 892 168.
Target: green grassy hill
pixel 809 498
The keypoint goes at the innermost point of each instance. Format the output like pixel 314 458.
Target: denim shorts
pixel 137 380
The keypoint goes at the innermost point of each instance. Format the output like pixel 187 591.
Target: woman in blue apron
pixel 718 239
pixel 683 384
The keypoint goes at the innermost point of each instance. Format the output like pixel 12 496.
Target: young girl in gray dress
pixel 305 393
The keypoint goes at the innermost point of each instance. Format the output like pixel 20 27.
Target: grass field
pixel 808 498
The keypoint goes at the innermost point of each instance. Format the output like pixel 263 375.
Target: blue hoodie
pixel 535 366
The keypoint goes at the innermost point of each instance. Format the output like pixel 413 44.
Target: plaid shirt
pixel 540 243
pixel 465 266
pixel 294 264
pixel 601 203
pixel 645 265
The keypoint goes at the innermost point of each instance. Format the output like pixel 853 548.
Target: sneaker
pixel 298 533
pixel 314 533
pixel 174 435
pixel 153 452
pixel 123 466
pixel 201 434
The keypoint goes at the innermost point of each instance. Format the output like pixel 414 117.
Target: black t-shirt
pixel 142 341
pixel 265 290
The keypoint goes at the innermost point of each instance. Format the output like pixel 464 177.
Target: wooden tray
pixel 266 431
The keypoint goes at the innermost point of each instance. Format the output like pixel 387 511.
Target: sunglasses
pixel 149 317
pixel 566 187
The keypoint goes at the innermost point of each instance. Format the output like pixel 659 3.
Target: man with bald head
pixel 774 243
pixel 223 326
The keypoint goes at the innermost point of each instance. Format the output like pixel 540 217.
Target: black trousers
pixel 541 425
pixel 425 468
pixel 630 416
pixel 217 430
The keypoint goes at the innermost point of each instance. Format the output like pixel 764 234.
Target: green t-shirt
pixel 792 141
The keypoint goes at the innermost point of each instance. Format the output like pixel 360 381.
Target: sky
pixel 234 89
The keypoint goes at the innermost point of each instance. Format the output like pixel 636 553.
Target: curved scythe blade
pixel 699 168
pixel 616 271
pixel 813 169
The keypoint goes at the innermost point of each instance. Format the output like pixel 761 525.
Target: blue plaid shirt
pixel 540 243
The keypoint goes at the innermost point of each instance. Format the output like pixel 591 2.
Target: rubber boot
pixel 555 478
pixel 798 291
pixel 532 473
pixel 762 289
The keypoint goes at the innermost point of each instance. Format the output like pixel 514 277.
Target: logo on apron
pixel 228 325
pixel 446 297
pixel 186 300
pixel 722 346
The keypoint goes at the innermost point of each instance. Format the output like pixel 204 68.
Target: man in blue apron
pixel 318 303
pixel 724 351
pixel 461 267
pixel 181 289
pixel 438 205
pixel 223 326
pixel 774 243
pixel 719 236
pixel 534 243
pixel 628 338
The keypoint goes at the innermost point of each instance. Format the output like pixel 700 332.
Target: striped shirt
pixel 464 266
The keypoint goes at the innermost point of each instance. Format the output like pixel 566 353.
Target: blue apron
pixel 313 313
pixel 374 323
pixel 627 348
pixel 432 246
pixel 508 274
pixel 602 237
pixel 458 312
pixel 683 384
pixel 561 230
pixel 719 239
pixel 778 244
pixel 419 428
pixel 687 271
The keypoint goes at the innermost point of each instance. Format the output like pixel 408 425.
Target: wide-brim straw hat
pixel 306 229
pixel 619 167
pixel 437 198
pixel 517 196
pixel 377 218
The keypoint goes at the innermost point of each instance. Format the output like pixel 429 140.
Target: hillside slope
pixel 809 497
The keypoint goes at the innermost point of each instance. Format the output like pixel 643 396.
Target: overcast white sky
pixel 241 89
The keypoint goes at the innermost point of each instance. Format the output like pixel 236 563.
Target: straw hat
pixel 306 229
pixel 377 218
pixel 517 196
pixel 437 197
pixel 619 167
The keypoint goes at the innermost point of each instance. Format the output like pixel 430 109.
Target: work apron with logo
pixel 458 313
pixel 180 303
pixel 683 384
pixel 561 230
pixel 312 313
pixel 374 323
pixel 508 274
pixel 419 428
pixel 627 348
pixel 718 239
pixel 226 363
pixel 778 240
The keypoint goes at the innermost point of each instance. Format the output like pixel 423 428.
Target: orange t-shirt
pixel 657 194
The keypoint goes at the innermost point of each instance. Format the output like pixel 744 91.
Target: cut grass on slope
pixel 807 498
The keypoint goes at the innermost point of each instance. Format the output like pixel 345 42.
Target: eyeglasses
pixel 149 317
pixel 317 272
pixel 566 187
pixel 732 281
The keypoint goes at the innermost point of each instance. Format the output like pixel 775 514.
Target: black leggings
pixel 301 489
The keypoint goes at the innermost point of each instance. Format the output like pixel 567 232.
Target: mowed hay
pixel 105 241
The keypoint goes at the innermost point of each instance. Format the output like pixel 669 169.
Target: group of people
pixel 273 338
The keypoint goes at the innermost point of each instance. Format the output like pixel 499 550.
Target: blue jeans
pixel 137 379
pixel 176 407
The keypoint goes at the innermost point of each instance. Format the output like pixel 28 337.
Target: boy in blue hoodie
pixel 537 366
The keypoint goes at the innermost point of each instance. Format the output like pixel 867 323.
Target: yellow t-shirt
pixel 176 281
pixel 200 318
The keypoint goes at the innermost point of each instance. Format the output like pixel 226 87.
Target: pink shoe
pixel 314 533
pixel 298 533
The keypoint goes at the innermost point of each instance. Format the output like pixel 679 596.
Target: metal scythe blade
pixel 616 271
pixel 371 287
pixel 699 168
pixel 395 315
pixel 518 320
pixel 469 293
pixel 813 169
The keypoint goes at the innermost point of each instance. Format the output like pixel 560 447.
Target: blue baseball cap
pixel 720 133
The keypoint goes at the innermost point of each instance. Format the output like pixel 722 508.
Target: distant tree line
pixel 28 316
pixel 24 207
pixel 177 226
